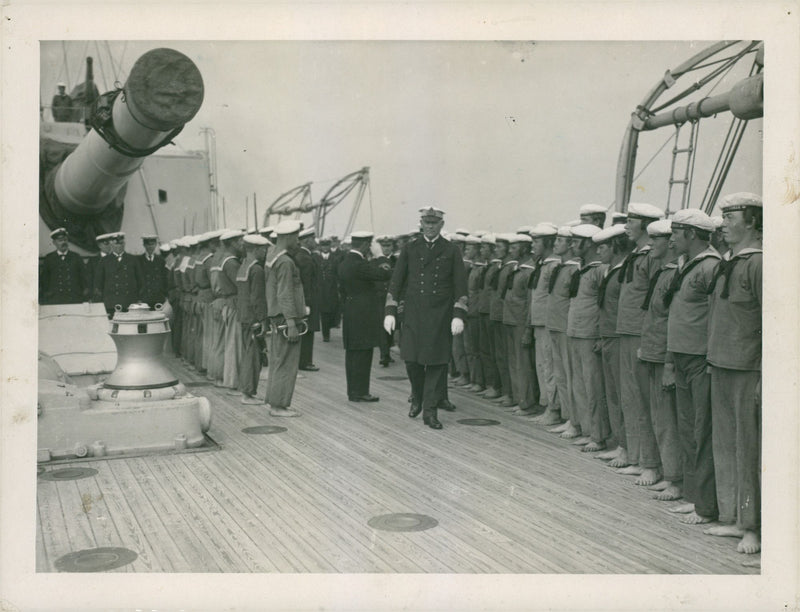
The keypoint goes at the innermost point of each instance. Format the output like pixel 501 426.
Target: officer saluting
pixel 430 276
pixel 361 314
pixel 63 278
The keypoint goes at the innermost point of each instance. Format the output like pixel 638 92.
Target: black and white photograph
pixel 466 314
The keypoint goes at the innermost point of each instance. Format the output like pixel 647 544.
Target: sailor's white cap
pixel 255 240
pixel 309 231
pixel 287 226
pixel 618 218
pixel 472 239
pixel 361 235
pixel 384 239
pixel 479 233
pixel 456 237
pixel 520 238
pixel 164 247
pixel 462 231
pixel 431 211
pixel 692 217
pixel 149 238
pixel 230 234
pixel 573 223
pixel 266 231
pixel 504 237
pixel 592 209
pixel 543 229
pixel 61 84
pixel 660 228
pixel 525 229
pixel 638 210
pixel 58 232
pixel 585 230
pixel 192 241
pixel 717 219
pixel 565 231
pixel 488 238
pixel 740 201
pixel 612 231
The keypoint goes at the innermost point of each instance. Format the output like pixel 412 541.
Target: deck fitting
pixel 402 522
pixel 478 422
pixel 95 559
pixel 74 473
pixel 264 429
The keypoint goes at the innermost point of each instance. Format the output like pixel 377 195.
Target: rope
pixel 65 66
pixel 687 199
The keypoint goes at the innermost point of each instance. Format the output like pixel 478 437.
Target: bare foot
pixel 682 509
pixel 725 531
pixel 752 562
pixel 249 399
pixel 593 447
pixel 750 544
pixel 582 441
pixel 659 486
pixel 561 428
pixel 694 519
pixel 648 477
pixel 570 432
pixel 671 493
pixel 284 412
pixel 631 470
pixel 611 454
pixel 548 418
pixel 621 460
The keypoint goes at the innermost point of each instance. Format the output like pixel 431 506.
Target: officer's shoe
pixel 447 405
pixel 432 422
pixel 363 398
pixel 309 368
pixel 415 410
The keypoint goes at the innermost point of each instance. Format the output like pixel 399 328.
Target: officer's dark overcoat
pixel 118 281
pixel 362 322
pixel 433 283
pixel 154 279
pixel 63 281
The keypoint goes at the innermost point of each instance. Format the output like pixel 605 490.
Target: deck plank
pixel 509 498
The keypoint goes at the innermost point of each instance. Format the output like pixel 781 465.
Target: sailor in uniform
pixel 734 353
pixel 308 264
pixel 119 278
pixel 361 314
pixel 287 310
pixel 225 266
pixel 63 277
pixel 154 273
pixel 252 308
pixel 430 275
pixel 634 278
pixel 686 366
pixel 543 237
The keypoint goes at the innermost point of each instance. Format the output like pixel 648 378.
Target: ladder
pixel 689 150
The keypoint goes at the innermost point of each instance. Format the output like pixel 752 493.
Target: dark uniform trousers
pixel 357 364
pixel 428 382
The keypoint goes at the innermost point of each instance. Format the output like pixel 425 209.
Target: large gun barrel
pixel 163 92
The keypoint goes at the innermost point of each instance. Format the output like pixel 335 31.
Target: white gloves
pixel 388 323
pixel 456 326
pixel 308 310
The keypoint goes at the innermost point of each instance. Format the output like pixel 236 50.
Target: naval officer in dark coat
pixel 430 274
pixel 119 277
pixel 153 272
pixel 63 278
pixel 361 314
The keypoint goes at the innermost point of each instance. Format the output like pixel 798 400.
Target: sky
pixel 497 134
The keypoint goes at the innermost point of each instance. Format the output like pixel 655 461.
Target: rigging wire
pixel 100 65
pixel 65 66
pixel 688 193
pixel 111 59
pixel 698 84
pixel 700 66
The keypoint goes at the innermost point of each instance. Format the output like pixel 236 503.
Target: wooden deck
pixel 508 498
